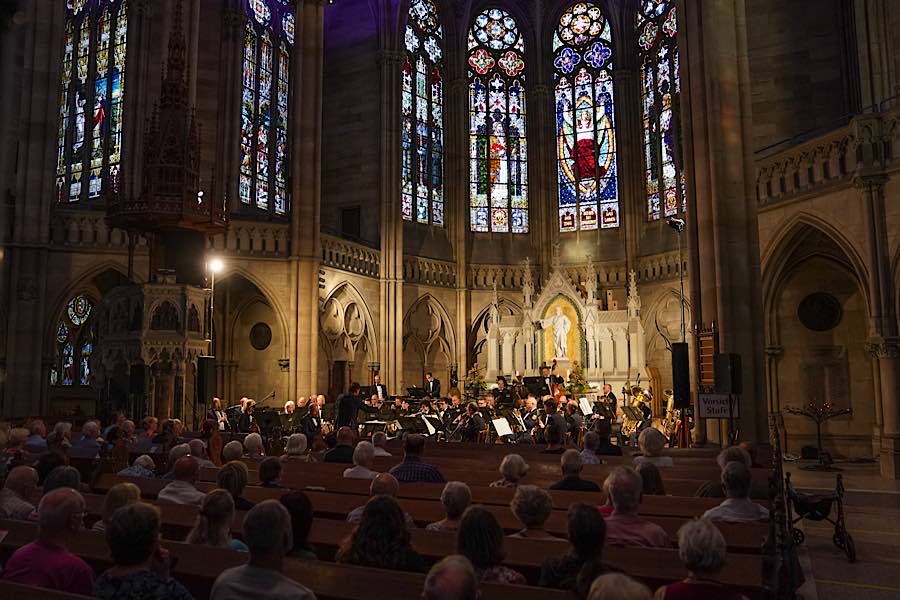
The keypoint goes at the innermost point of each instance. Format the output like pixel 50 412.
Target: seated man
pixel 47 562
pixel 624 527
pixel 737 506
pixel 17 493
pixel 759 490
pixel 379 440
pixel 589 455
pixel 181 490
pixel 37 441
pixel 90 434
pixel 383 485
pixel 412 469
pixel 652 442
pixel 603 428
pixel 267 532
pixel 343 452
pixel 198 451
pixel 571 465
pixel 453 578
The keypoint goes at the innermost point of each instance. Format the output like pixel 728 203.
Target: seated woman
pixel 232 477
pixel 119 495
pixel 270 473
pixel 213 524
pixel 363 457
pixel 480 539
pixel 513 469
pixel 652 442
pixel 455 499
pixel 301 511
pixel 381 539
pixel 578 568
pixel 618 586
pixel 253 446
pixel 141 565
pixel 296 449
pixel 702 549
pixel 653 483
pixel 532 507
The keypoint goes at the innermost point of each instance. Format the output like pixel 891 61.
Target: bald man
pixel 384 484
pixel 47 562
pixel 18 492
pixel 182 490
pixel 453 578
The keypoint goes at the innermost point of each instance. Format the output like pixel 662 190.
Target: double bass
pixel 557 390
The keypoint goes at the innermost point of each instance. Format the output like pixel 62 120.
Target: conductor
pixel 348 405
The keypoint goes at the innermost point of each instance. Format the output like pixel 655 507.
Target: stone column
pixel 163 389
pixel 228 130
pixel 390 327
pixel 306 192
pixel 887 354
pixel 723 236
pixel 632 198
pixel 456 171
pixel 542 200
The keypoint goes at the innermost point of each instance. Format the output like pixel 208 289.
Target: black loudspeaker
pixel 206 379
pixel 136 379
pixel 727 368
pixel 681 375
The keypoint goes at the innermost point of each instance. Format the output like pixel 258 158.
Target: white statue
pixel 561 325
pixel 527 282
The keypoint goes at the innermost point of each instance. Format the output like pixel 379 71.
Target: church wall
pixel 258 372
pixel 430 338
pixel 351 118
pixel 798 66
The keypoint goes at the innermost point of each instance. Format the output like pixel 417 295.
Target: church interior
pixel 686 200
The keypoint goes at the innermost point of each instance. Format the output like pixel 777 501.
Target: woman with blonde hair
pixel 213 525
pixel 119 495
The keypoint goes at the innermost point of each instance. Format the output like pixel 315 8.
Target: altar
pixel 569 325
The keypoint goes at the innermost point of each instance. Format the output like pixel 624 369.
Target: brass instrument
pixel 636 399
pixel 672 422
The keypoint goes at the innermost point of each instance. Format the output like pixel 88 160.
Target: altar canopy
pixel 568 325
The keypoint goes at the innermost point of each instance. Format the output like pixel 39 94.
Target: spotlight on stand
pixel 676 223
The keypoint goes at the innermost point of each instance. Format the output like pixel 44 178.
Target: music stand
pixel 416 392
pixel 536 386
pixel 370 428
pixel 412 425
pixel 633 414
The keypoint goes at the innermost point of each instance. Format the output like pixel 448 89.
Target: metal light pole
pixel 215 265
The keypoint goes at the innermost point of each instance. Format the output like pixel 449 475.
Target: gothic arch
pixel 84 282
pixel 344 299
pixel 270 296
pixel 427 334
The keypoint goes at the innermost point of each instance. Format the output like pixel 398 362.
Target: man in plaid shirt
pixel 412 469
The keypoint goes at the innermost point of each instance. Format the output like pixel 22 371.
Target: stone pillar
pixel 542 200
pixel 228 131
pixel 390 327
pixel 723 236
pixel 509 342
pixel 163 389
pixel 456 188
pixel 887 354
pixel 306 192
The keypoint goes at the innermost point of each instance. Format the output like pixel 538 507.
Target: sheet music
pixel 585 406
pixel 502 427
pixel 428 425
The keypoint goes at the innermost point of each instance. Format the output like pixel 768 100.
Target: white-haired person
pixel 268 534
pixel 737 506
pixel 455 498
pixel 532 507
pixel 176 453
pixel 18 493
pixel 253 447
pixel 379 440
pixel 703 551
pixel 296 449
pixel 198 451
pixel 363 457
pixel 90 436
pixel 513 469
pixel 624 527
pixel 143 466
pixel 452 578
pixel 233 450
pixel 652 441
pixel 289 408
pixel 618 586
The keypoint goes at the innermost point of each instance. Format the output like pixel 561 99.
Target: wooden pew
pixel 17 590
pixel 197 568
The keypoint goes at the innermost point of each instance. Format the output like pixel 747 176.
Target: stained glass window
pixel 498 156
pixel 74 342
pixel 585 120
pixel 89 140
pixel 422 135
pixel 657 28
pixel 266 68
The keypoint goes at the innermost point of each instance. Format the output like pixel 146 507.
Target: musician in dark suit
pixel 348 407
pixel 311 423
pixel 379 390
pixel 609 397
pixel 432 386
pixel 245 419
pixel 472 423
pixel 217 414
pixel 549 380
pixel 503 396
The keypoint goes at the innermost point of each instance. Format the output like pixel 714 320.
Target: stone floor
pixel 872 507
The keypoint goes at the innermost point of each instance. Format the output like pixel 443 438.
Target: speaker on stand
pixel 206 386
pixel 681 388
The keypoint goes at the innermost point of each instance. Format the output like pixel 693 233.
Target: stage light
pixel 216 265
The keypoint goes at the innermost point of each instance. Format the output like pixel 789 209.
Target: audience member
pixel 36 441
pixel 513 469
pixel 181 489
pixel 295 451
pixel 553 435
pixel 233 450
pixel 578 568
pixel 702 549
pixel 62 477
pixel 90 436
pixel 49 461
pixel 233 478
pixel 213 524
pixel 60 439
pixel 383 485
pixel 47 562
pixel 480 539
pixel 176 453
pixel 624 527
pixel 363 457
pixel 570 463
pixel 618 586
pixel 603 428
pixel 267 532
pixel 197 449
pixel 381 539
pixel 270 473
pixel 149 426
pixel 253 446
pixel 119 495
pixel 412 469
pixel 343 451
pixel 453 578
pixel 651 478
pixel 714 489
pixel 128 432
pixel 652 442
pixel 455 498
pixel 117 420
pixel 589 455
pixel 532 507
pixel 143 466
pixel 379 440
pixel 18 493
pixel 737 506
pixel 141 565
pixel 301 511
